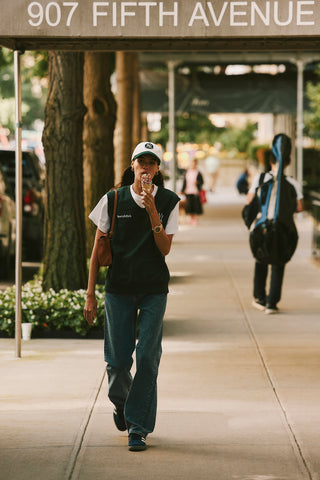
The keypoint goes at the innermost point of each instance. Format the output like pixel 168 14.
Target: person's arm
pixel 299 206
pixel 249 197
pixel 184 184
pixel 163 241
pixel 199 181
pixel 90 308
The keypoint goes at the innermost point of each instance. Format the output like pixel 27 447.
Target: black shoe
pixel 119 420
pixel 137 442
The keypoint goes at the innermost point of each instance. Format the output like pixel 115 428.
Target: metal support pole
pixel 18 270
pixel 299 142
pixel 172 123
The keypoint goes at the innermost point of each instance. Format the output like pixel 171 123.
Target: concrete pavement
pixel 238 390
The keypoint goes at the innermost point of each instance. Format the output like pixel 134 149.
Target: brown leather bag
pixel 104 245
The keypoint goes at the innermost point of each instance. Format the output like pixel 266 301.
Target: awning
pixel 206 93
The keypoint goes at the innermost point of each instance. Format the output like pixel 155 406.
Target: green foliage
pixel 49 311
pixel 253 149
pixel 312 117
pixel 238 138
pixel 6 57
pixel 33 88
pixel 190 128
pixel 196 128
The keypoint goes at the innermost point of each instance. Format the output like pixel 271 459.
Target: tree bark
pixel 125 73
pixel 136 107
pixel 64 255
pixel 99 123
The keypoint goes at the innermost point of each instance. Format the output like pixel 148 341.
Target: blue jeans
pixel 138 395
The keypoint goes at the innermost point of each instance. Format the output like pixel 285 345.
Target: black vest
pixel 137 267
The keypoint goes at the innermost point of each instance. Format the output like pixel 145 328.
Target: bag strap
pixel 265 206
pixel 114 212
pixel 277 152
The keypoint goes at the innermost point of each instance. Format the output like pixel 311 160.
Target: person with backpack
pixel 274 237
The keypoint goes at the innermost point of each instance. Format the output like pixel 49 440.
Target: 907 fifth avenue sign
pixel 164 19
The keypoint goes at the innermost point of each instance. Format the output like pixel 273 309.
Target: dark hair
pixel 281 144
pixel 128 178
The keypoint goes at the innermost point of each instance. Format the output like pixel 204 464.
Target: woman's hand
pixel 148 202
pixel 90 309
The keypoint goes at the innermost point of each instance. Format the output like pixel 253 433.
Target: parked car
pixel 7 226
pixel 33 202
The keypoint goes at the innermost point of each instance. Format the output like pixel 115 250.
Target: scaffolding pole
pixel 18 158
pixel 300 68
pixel 172 123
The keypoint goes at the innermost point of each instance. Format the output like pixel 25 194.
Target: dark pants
pixel 260 281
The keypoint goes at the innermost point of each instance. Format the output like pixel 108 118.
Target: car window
pixel 31 167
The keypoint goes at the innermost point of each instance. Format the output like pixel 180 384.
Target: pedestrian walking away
pixel 280 197
pixel 136 288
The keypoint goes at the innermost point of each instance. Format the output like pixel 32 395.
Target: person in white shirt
pixel 136 289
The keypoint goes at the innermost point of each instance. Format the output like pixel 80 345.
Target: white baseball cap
pixel 147 147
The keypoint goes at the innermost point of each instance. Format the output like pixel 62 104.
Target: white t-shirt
pixel 268 176
pixel 101 219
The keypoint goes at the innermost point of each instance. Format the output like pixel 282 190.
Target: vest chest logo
pixel 128 215
pixel 161 215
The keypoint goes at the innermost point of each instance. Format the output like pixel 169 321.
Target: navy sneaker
pixel 119 420
pixel 136 442
pixel 259 304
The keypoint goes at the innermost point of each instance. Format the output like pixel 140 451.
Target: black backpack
pixel 274 241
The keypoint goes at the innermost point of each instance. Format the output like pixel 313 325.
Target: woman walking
pixel 192 184
pixel 136 289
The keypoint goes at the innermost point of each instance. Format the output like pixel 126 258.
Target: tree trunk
pixel 99 123
pixel 136 107
pixel 123 133
pixel 64 256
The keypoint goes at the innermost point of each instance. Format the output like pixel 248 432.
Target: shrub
pixel 49 311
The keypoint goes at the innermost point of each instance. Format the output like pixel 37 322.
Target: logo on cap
pixel 149 145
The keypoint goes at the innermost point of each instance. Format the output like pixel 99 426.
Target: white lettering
pixel 300 12
pixel 35 11
pixel 73 6
pixel 255 9
pixel 57 14
pixel 174 13
pixel 198 16
pixel 214 13
pixel 216 20
pixel 125 13
pixel 234 13
pixel 147 5
pixel 114 14
pixel 276 14
pixel 97 13
pixel 51 14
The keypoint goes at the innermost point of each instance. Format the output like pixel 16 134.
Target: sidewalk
pixel 238 390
